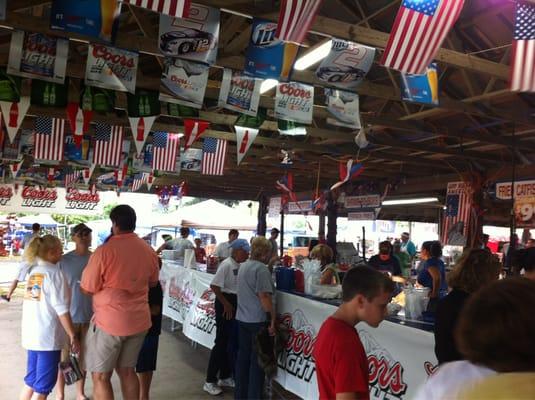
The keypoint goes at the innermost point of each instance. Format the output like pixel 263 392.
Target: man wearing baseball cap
pixel 225 286
pixel 72 265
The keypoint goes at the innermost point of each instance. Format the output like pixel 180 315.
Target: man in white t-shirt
pixel 179 244
pixel 222 251
pixel 225 285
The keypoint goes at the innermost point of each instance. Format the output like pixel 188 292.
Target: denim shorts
pixel 42 370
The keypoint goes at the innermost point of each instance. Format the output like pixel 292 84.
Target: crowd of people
pixel 78 308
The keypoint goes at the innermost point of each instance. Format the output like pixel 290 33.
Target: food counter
pixel 400 353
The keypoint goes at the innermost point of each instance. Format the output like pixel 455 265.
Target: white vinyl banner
pixel 294 102
pixel 34 199
pixel 399 357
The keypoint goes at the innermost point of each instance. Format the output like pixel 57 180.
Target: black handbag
pixel 71 369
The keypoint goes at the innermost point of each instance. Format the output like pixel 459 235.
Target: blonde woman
pixel 45 317
pixel 329 272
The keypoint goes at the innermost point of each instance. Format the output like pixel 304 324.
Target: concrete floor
pixel 180 373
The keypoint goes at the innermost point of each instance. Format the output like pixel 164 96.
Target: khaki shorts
pixel 80 330
pixel 105 352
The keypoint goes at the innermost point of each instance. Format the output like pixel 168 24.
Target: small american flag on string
pixel 419 29
pixel 138 181
pixel 523 56
pixel 175 8
pixel 49 138
pixel 457 215
pixel 108 144
pixel 165 148
pixel 295 19
pixel 213 156
pixel 71 178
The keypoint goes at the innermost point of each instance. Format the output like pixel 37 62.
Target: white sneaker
pixel 212 388
pixel 228 382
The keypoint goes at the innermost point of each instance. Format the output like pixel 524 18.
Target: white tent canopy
pixel 209 214
pixel 45 220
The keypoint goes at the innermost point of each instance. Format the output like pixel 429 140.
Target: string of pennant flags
pixel 270 55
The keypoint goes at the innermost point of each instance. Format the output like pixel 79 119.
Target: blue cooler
pixel 285 279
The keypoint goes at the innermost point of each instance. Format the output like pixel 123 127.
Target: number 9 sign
pixel 524 212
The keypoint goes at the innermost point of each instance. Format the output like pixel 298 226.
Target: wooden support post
pixel 281 233
pixel 332 215
pixel 321 225
pixel 262 212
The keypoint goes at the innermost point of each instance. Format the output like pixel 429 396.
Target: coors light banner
pixel 184 82
pixel 111 68
pixel 36 199
pixel 294 102
pixel 34 55
pixel 344 107
pixel 239 92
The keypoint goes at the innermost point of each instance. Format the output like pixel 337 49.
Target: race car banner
pixel 96 18
pixel 111 68
pixel 191 159
pixel 34 55
pixel 344 107
pixel 264 53
pixel 194 38
pixel 346 65
pixel 294 102
pixel 239 92
pixel 184 82
pixel 36 199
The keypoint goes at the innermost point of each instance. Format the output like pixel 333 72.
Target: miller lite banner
pixel 35 55
pixel 265 53
pixel 36 199
pixel 111 68
pixel 294 102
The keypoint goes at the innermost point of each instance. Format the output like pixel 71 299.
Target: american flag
pixel 286 186
pixel 295 19
pixel 139 180
pixel 165 149
pixel 348 171
pixel 108 144
pixel 419 29
pixel 458 210
pixel 213 156
pixel 175 8
pixel 71 178
pixel 49 138
pixel 523 58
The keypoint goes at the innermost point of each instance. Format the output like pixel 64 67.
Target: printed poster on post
pixel 34 55
pixel 421 89
pixel 344 107
pixel 191 160
pixel 346 65
pixel 239 92
pixel 96 18
pixel 194 38
pixel 525 212
pixel 184 82
pixel 294 102
pixel 265 53
pixel 111 68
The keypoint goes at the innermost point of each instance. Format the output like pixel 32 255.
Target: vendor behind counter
pixel 329 270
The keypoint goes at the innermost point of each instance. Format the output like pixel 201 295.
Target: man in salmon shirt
pixel 341 362
pixel 118 275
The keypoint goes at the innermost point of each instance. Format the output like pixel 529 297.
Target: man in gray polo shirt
pixel 72 265
pixel 255 311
